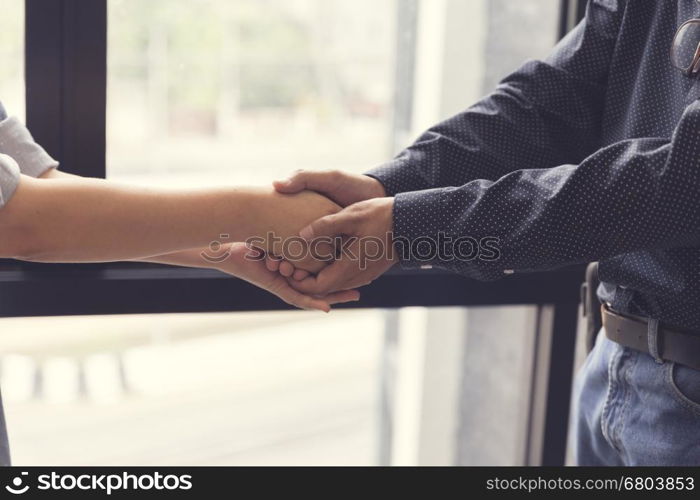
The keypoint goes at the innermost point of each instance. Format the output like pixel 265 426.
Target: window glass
pixel 243 91
pixel 12 57
pixel 283 388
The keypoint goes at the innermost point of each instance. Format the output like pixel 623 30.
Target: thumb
pixel 321 182
pixel 329 226
pixel 290 185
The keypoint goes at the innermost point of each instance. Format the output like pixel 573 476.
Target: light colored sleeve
pixel 17 142
pixel 9 178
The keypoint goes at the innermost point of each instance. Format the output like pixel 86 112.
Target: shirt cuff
pixel 397 177
pixel 416 224
pixel 17 142
pixel 9 178
pixel 429 229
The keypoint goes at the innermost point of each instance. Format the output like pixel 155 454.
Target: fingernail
pixel 284 181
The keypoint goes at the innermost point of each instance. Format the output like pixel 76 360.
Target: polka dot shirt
pixel 590 154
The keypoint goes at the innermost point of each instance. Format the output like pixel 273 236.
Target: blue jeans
pixel 631 410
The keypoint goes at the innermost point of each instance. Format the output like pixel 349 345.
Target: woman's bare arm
pixel 242 263
pixel 74 219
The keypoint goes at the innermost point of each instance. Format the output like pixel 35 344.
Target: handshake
pixel 334 235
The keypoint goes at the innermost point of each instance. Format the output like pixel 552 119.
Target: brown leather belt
pixel 631 331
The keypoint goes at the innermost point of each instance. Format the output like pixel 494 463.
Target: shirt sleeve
pixel 637 194
pixel 17 142
pixel 547 113
pixel 9 178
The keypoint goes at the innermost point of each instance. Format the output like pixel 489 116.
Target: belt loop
pixel 653 340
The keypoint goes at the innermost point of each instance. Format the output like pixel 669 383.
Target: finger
pixel 292 184
pixel 333 225
pixel 272 264
pixel 359 281
pixel 322 181
pixel 300 274
pixel 331 278
pixel 286 269
pixel 342 297
pixel 252 253
pixel 298 299
pixel 306 302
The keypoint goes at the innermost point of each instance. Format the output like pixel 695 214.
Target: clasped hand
pixel 361 232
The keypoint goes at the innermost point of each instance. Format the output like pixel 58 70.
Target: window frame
pixel 66 96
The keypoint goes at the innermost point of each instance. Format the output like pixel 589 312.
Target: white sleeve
pixel 17 142
pixel 9 178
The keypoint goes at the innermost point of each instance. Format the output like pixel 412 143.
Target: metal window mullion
pixel 66 81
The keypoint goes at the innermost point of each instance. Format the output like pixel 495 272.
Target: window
pixel 12 57
pixel 209 389
pixel 243 91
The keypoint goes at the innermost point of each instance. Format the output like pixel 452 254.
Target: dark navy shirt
pixel 590 154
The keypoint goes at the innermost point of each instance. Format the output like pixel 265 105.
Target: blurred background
pixel 204 92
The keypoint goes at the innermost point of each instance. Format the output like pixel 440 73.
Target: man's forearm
pixel 546 113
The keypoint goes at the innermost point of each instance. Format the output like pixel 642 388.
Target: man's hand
pixel 341 187
pixel 367 226
pixel 279 217
pixel 245 263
